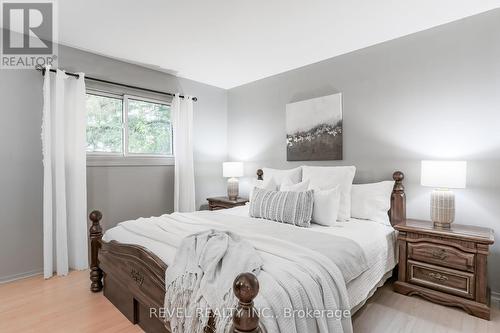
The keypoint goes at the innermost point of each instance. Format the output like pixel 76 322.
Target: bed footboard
pixel 134 281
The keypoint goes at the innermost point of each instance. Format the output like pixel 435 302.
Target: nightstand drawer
pixel 441 255
pixel 442 279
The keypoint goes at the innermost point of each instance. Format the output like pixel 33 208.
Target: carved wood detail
pixel 95 234
pixel 439 254
pixel 443 279
pixel 439 301
pixel 464 246
pixel 137 276
pixel 469 306
pixel 448 267
pixel 141 271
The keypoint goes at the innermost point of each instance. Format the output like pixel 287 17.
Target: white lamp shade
pixel 232 169
pixel 444 174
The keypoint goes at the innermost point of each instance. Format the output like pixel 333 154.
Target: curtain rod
pixel 43 70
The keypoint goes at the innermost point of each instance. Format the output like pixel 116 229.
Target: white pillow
pixel 329 177
pixel 266 184
pixel 281 175
pixel 326 206
pixel 372 201
pixel 287 185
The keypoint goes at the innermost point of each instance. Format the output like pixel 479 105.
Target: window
pixel 149 128
pixel 104 124
pixel 126 126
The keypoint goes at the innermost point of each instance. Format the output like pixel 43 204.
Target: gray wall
pixel 431 95
pixel 119 192
pixel 21 173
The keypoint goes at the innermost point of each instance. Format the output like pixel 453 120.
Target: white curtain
pixel 64 174
pixel 182 119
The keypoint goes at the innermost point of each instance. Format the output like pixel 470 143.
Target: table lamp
pixel 443 175
pixel 232 170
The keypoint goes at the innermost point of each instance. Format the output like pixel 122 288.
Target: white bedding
pixel 377 241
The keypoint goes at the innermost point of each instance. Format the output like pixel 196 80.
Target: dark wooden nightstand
pixel 217 203
pixel 445 266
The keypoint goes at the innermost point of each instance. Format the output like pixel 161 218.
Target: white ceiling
pixel 227 43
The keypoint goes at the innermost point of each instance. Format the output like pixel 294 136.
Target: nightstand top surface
pixel 226 200
pixel 460 231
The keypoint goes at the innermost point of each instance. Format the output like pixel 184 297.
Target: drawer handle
pixel 438 276
pixel 439 254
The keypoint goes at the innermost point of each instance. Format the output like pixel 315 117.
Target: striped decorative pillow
pixel 282 206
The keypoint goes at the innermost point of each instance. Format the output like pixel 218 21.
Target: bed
pixel 130 266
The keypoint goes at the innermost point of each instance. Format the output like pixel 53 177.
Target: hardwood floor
pixel 67 305
pixel 58 305
pixel 388 311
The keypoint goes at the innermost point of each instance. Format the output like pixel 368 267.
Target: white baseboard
pixel 495 299
pixel 10 278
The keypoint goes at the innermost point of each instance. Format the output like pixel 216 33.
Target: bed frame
pixel 133 278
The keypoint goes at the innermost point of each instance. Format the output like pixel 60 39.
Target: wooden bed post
pixel 95 245
pixel 246 318
pixel 398 199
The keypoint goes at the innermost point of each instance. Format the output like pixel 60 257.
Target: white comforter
pixel 302 290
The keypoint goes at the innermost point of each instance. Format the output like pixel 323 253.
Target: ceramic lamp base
pixel 442 208
pixel 232 188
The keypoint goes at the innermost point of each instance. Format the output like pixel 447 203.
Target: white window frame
pixel 125 158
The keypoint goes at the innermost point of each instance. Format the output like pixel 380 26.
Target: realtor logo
pixel 28 34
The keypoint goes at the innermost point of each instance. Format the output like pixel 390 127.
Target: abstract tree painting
pixel 314 129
